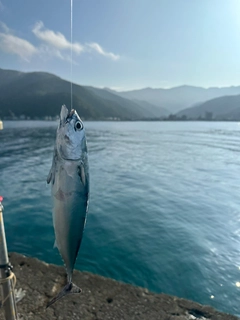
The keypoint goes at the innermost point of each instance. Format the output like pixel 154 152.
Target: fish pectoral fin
pixel 51 175
pixel 84 177
pixel 81 173
pixel 70 288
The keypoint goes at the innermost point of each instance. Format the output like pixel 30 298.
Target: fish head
pixel 71 139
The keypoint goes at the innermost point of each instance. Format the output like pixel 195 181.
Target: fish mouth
pixel 65 115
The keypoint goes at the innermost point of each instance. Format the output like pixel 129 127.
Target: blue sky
pixel 125 44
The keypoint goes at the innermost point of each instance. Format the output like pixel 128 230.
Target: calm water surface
pixel 164 210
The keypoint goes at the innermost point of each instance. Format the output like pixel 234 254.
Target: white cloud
pixel 55 39
pixel 96 47
pixel 14 45
pixel 58 41
pixel 52 45
pixel 46 52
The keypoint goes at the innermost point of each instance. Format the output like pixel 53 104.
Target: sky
pixel 124 44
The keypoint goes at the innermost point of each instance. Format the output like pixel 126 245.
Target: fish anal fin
pixel 55 244
pixel 70 288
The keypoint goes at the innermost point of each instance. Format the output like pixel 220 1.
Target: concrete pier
pixel 101 299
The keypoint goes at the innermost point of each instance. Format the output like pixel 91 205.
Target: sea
pixel 164 209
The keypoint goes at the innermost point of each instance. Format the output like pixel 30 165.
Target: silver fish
pixel 69 179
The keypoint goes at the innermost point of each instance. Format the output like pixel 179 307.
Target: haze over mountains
pixel 39 94
pixel 222 108
pixel 178 98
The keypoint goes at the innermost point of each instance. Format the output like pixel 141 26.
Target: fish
pixel 69 179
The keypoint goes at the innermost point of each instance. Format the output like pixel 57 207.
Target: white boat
pixel 1 125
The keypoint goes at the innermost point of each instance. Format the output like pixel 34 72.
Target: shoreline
pixel 101 298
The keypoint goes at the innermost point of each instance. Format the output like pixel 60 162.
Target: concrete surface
pixel 101 299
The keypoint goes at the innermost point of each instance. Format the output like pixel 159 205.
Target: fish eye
pixel 78 125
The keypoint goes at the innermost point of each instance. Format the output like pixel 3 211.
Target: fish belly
pixel 69 215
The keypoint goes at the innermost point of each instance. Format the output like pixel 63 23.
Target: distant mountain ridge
pixel 40 94
pixel 178 98
pixel 139 106
pixel 222 108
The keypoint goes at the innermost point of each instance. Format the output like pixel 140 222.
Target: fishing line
pixel 71 48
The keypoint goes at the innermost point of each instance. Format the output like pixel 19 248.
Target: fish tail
pixel 70 288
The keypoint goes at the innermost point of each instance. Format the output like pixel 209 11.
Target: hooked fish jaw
pixel 71 139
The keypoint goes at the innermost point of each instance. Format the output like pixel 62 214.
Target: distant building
pixel 183 117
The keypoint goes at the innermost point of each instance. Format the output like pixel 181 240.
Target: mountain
pixel 40 94
pixel 178 98
pixel 156 111
pixel 223 108
pixel 142 108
